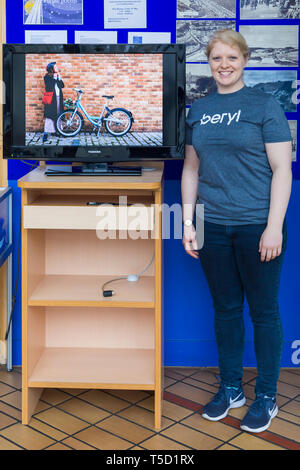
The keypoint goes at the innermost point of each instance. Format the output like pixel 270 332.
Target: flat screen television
pixel 118 103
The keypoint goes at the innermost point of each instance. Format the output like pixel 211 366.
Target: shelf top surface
pixel 149 180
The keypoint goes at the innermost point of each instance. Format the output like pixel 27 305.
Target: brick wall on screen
pixel 135 81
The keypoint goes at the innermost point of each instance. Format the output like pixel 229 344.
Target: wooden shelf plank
pixel 81 290
pixel 37 179
pixel 94 368
pixel 70 200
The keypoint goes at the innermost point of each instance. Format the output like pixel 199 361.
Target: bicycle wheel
pixel 118 122
pixel 69 124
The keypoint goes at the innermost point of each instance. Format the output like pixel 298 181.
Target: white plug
pixel 132 278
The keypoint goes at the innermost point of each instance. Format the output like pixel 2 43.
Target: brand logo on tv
pixel 94 151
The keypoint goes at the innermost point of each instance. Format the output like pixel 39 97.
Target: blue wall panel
pixel 188 327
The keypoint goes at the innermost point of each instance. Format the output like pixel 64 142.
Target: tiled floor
pixel 116 420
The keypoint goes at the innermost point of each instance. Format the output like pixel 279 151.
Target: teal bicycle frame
pixel 96 121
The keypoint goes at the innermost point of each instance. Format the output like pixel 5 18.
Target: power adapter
pixel 130 278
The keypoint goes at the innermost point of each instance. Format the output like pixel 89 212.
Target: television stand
pixel 94 169
pixel 72 336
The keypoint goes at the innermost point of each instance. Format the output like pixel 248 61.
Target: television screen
pixel 94 103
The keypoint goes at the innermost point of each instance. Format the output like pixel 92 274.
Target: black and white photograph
pixel 269 9
pixel 279 83
pixel 196 35
pixel 293 128
pixel 199 82
pixel 272 45
pixel 206 9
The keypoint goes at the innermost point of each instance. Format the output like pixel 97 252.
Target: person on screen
pixel 238 165
pixel 53 83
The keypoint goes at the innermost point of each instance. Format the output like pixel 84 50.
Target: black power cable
pixel 14 298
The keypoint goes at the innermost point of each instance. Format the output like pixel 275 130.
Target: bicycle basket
pixel 69 103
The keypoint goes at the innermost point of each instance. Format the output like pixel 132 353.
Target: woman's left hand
pixel 270 243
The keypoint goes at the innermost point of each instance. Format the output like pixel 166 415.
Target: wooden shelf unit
pixel 72 336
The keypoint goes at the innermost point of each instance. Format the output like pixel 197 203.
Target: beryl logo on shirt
pixel 225 118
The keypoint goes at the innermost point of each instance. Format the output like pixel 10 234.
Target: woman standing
pixel 53 84
pixel 238 163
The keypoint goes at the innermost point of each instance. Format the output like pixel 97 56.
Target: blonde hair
pixel 231 38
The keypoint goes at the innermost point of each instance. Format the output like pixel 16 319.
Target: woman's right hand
pixel 189 241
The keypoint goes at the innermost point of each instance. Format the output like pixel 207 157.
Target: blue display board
pixel 189 336
pixel 5 224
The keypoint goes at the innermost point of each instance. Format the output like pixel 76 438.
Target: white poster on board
pixel 130 14
pixel 46 37
pixel 139 37
pixel 96 37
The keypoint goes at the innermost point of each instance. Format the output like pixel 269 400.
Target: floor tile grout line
pixel 80 440
pixel 9 416
pixel 279 381
pixel 102 409
pixel 226 443
pixel 217 383
pixel 190 427
pixel 199 388
pixel 111 413
pixel 41 432
pixel 9 385
pixel 89 424
pixel 209 373
pixel 153 431
pixel 287 420
pixel 190 385
pixel 258 436
pixel 288 412
pixel 278 394
pixel 261 437
pixel 8 426
pixel 247 382
pixel 110 394
pixel 198 412
pixel 291 371
pixel 64 432
pixel 9 393
pixel 130 405
pixel 51 445
pixel 12 406
pixel 195 429
pixel 202 389
pixel 166 437
pixel 287 383
pixel 76 439
pixel 12 442
pixel 105 430
pixel 289 401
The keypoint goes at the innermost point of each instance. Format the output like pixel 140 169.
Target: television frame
pixel 174 108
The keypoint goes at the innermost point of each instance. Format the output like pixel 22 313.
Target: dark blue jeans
pixel 232 266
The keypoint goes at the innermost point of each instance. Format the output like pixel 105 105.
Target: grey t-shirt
pixel 229 132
